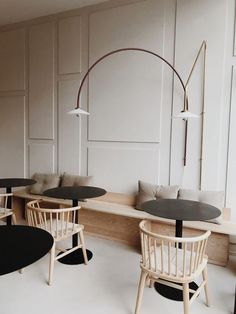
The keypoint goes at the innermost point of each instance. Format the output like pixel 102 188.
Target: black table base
pixel 173 293
pixel 75 257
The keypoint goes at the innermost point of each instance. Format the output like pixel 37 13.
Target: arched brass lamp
pixel 185 114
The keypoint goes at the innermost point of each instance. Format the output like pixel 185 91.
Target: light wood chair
pixel 4 211
pixel 165 262
pixel 61 223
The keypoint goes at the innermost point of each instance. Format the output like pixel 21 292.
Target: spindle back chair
pixel 172 261
pixel 61 223
pixel 4 211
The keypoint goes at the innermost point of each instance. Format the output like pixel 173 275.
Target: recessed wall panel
pixel 205 19
pixel 12 60
pixel 12 130
pixel 41 81
pixel 118 169
pixel 41 158
pixel 69 127
pixel 125 89
pixel 69 55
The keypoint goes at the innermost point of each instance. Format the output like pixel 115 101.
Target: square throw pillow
pixel 148 192
pixel 214 198
pixel 76 180
pixel 44 181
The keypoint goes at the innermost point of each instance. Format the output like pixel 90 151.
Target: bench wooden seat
pixel 113 216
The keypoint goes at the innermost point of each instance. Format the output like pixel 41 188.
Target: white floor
pixel 108 285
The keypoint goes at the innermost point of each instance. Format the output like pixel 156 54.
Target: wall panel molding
pixel 41 81
pixel 69 128
pixel 12 60
pixel 41 158
pixel 119 169
pixel 69 45
pixel 12 130
pixel 132 83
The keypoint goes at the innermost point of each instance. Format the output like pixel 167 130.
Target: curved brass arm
pixel 129 49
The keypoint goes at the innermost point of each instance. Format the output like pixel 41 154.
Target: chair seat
pixel 59 234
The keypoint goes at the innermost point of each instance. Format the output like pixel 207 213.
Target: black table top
pixel 14 182
pixel 21 246
pixel 75 192
pixel 179 209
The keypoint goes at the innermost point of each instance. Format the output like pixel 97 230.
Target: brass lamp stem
pixel 122 50
pixel 202 48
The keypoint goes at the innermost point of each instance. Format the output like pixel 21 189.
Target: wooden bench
pixel 113 216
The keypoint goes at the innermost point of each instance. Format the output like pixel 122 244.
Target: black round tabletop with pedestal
pixel 21 246
pixel 179 210
pixel 9 183
pixel 76 194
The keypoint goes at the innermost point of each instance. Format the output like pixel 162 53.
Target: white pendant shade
pixel 78 111
pixel 185 114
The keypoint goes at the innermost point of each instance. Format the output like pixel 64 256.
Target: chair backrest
pixel 171 257
pixel 61 223
pixel 4 198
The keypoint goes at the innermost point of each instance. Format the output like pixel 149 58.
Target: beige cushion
pixel 75 180
pixel 214 198
pixel 148 192
pixel 44 182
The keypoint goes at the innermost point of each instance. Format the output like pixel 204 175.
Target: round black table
pixel 75 193
pixel 21 246
pixel 179 210
pixel 9 183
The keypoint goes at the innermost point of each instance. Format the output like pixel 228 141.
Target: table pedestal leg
pixel 179 228
pixel 75 257
pixel 9 205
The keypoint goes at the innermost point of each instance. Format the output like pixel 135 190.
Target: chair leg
pixel 186 297
pixel 151 283
pixel 81 235
pixel 141 286
pixel 205 278
pixel 51 264
pixel 21 271
pixel 13 217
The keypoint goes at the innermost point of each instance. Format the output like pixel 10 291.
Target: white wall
pixel 130 134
